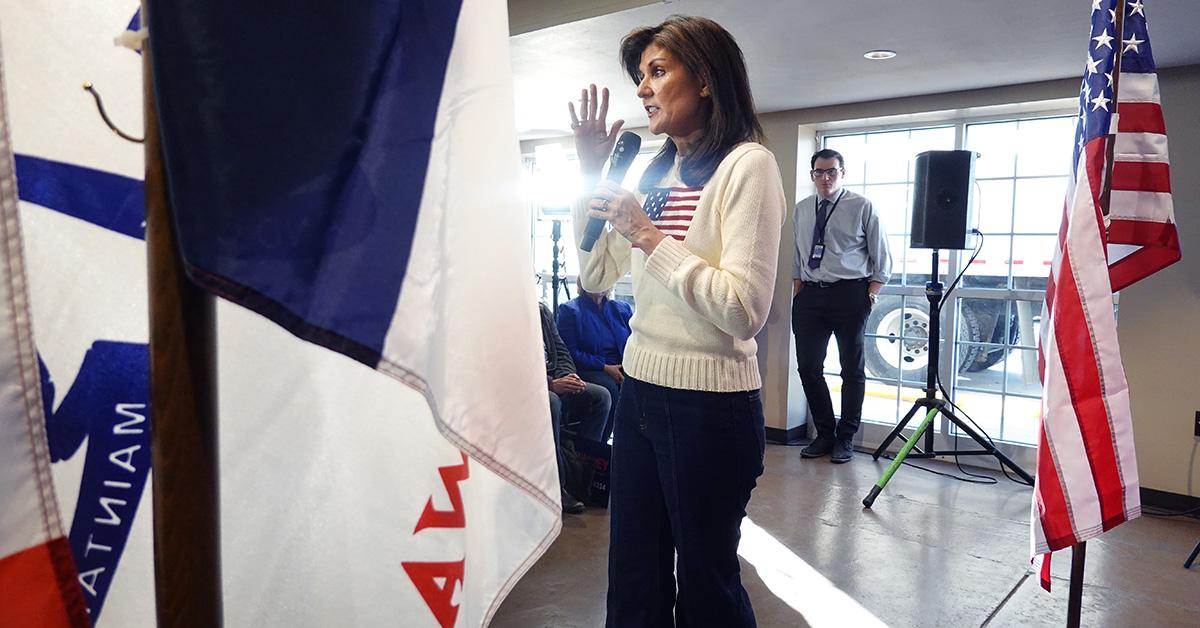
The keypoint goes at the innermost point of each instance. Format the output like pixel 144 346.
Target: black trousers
pixel 839 309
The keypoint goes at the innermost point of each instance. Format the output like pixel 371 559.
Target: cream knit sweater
pixel 700 301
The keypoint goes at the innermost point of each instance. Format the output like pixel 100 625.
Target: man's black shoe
pixel 843 451
pixel 820 446
pixel 570 505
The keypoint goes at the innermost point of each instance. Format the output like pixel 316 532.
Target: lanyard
pixel 820 237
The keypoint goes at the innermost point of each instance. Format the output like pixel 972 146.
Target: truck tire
pixel 988 357
pixel 885 326
pixel 971 326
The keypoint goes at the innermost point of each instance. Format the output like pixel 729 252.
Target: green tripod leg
pixel 899 459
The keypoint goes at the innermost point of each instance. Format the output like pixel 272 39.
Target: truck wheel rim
pixel 910 328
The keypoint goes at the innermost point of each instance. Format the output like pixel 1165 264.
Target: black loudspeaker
pixel 943 200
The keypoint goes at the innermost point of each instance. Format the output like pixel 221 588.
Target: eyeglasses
pixel 832 173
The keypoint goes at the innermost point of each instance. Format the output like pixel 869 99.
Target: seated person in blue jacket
pixel 595 329
pixel 586 403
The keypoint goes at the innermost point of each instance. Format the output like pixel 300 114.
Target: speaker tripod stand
pixel 557 281
pixel 933 406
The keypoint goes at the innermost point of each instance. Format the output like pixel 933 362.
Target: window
pixel 994 316
pixel 1023 172
pixel 879 165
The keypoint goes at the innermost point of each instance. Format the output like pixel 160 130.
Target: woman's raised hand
pixel 593 140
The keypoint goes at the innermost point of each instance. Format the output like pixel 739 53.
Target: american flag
pixel 1087 480
pixel 671 209
pixel 1142 236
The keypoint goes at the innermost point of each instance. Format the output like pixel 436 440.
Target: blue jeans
pixel 600 378
pixel 589 408
pixel 684 464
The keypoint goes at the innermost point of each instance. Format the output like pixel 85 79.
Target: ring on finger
pixel 604 207
pixel 576 124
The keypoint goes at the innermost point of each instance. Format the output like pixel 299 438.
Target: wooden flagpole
pixel 1075 594
pixel 183 408
pixel 1079 550
pixel 1110 144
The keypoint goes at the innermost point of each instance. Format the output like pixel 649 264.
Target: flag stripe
pixel 1145 177
pixel 104 199
pixel 1140 147
pixel 1050 501
pixel 1138 87
pixel 1051 287
pixel 1160 248
pixel 1092 172
pixel 1092 365
pixel 1080 367
pixel 1137 205
pixel 1161 234
pixel 37 592
pixel 1080 509
pixel 1141 117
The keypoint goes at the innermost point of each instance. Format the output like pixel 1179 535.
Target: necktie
pixel 814 261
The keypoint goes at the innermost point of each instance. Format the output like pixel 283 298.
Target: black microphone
pixel 623 153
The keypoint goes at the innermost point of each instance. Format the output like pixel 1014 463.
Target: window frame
pixel 874 432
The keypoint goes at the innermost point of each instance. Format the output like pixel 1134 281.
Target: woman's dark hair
pixel 709 52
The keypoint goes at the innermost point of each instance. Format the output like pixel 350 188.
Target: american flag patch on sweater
pixel 671 209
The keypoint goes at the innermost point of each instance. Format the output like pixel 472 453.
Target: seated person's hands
pixel 567 385
pixel 614 371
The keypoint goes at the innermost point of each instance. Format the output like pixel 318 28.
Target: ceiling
pixel 808 53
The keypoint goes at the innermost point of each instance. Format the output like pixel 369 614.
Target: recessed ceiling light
pixel 879 55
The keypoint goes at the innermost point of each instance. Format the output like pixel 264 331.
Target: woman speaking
pixel 701 238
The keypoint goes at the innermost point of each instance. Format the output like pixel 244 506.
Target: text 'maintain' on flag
pixel 350 172
pixel 1087 480
pixel 38 580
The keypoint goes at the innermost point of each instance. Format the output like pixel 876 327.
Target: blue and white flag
pixel 81 210
pixel 350 172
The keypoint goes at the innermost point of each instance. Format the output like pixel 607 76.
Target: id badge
pixel 818 251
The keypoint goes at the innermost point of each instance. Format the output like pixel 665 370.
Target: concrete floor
pixel 932 552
